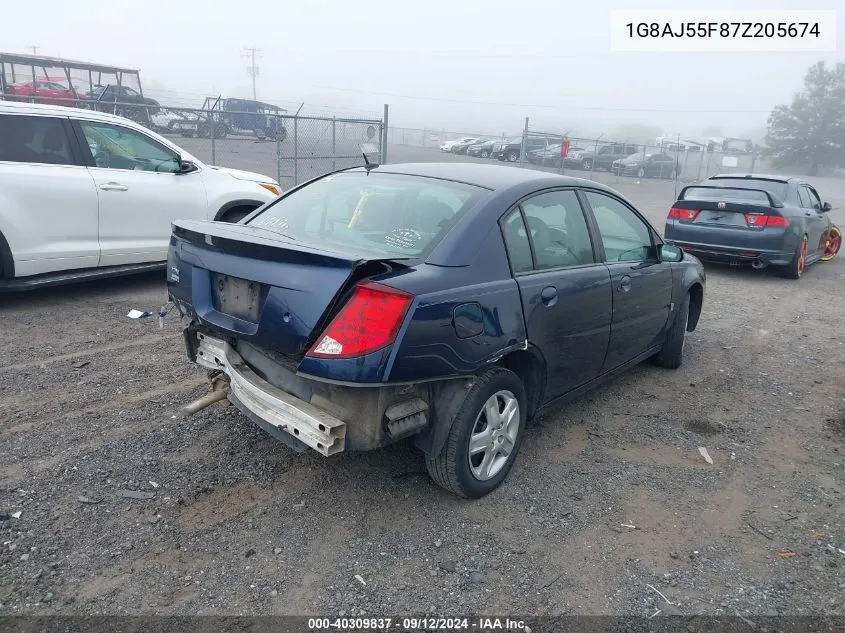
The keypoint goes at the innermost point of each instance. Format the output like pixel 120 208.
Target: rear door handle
pixel 625 284
pixel 114 186
pixel 549 296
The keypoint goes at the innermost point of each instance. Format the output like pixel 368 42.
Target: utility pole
pixel 34 49
pixel 252 69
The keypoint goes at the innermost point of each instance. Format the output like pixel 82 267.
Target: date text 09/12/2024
pixel 481 624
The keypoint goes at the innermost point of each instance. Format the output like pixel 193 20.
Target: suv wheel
pixel 512 156
pixel 586 164
pixel 485 436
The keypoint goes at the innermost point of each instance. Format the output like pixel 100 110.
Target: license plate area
pixel 729 218
pixel 236 297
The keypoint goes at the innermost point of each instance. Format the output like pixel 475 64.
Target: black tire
pixel 451 469
pixel 795 269
pixel 672 354
pixel 586 164
pixel 512 156
pixel 484 153
pixel 233 216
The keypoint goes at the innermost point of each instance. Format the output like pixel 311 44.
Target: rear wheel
pixel 513 156
pixel 799 261
pixel 672 354
pixel 485 436
pixel 484 153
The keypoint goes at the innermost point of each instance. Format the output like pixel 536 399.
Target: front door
pixel 140 193
pixel 566 295
pixel 642 286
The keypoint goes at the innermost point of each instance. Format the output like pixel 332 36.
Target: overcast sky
pixel 462 65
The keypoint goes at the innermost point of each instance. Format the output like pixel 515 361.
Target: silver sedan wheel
pixel 494 435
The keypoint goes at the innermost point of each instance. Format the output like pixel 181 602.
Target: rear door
pixel 817 222
pixel 642 285
pixel 140 192
pixel 566 294
pixel 48 200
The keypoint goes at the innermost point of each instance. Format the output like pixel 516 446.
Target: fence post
pixel 386 130
pixel 753 158
pixel 212 134
pixel 595 155
pixel 334 150
pixel 524 144
pixel 280 125
pixel 295 151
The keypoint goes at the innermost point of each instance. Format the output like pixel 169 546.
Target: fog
pixel 459 66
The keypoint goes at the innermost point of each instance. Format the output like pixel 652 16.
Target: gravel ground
pixel 609 505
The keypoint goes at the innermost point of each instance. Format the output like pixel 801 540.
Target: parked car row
pixel 620 158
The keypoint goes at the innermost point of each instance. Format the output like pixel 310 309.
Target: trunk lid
pixel 257 285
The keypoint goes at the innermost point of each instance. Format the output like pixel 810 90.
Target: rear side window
pixel 517 243
pixel 804 198
pixel 387 215
pixel 31 139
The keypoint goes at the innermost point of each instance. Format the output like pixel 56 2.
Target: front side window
pixel 558 230
pixel 31 139
pixel 116 147
pixel 625 236
pixel 386 215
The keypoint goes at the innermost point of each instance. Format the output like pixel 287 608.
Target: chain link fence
pixel 603 157
pixel 264 139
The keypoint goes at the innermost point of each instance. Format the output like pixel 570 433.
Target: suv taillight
pixel 369 321
pixel 683 214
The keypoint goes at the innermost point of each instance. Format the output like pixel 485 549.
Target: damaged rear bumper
pixel 253 395
pixel 304 412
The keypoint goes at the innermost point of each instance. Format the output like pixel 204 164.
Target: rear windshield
pixel 386 215
pixel 739 189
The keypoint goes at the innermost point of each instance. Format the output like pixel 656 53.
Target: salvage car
pixel 753 219
pixel 444 302
pixel 85 194
pixel 644 165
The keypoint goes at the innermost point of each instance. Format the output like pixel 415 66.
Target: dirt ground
pixel 609 505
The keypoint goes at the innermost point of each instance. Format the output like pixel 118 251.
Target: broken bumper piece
pixel 257 398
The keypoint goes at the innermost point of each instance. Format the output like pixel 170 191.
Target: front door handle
pixel 549 296
pixel 625 284
pixel 808 213
pixel 114 186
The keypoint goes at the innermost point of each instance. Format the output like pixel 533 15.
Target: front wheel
pixel 586 164
pixel 672 354
pixel 484 153
pixel 485 436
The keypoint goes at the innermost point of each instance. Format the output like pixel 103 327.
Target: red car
pixel 45 91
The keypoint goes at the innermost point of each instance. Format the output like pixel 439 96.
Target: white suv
pixel 85 194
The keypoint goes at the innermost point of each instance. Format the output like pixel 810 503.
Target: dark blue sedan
pixel 444 302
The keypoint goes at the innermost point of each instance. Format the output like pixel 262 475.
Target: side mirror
pixel 826 207
pixel 670 253
pixel 186 167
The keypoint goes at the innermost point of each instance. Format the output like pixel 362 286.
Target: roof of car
pixel 23 107
pixel 492 177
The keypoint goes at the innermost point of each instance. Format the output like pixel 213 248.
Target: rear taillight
pixel 754 219
pixel 369 321
pixel 683 214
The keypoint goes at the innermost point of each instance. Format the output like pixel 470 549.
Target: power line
pixel 252 69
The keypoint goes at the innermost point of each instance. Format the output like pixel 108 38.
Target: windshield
pixel 386 215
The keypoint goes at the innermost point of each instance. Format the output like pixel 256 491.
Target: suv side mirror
pixel 671 253
pixel 826 207
pixel 186 167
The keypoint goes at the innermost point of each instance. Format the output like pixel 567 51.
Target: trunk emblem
pixel 721 205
